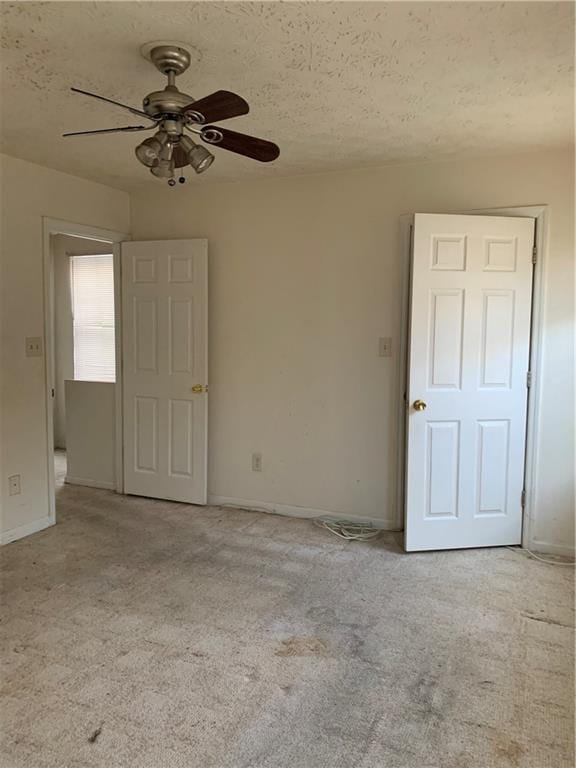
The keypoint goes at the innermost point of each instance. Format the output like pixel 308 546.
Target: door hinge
pixel 534 254
pixel 523 499
pixel 52 393
pixel 529 379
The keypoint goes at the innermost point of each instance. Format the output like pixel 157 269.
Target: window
pixel 92 283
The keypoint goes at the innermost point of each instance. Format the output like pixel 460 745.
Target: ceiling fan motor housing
pixel 169 101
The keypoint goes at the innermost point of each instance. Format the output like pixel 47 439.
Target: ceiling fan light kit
pixel 172 113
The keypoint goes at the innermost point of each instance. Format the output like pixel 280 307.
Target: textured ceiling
pixel 336 85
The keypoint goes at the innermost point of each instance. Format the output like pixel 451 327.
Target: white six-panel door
pixel 165 372
pixel 468 362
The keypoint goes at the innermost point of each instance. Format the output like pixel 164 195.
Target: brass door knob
pixel 419 405
pixel 199 388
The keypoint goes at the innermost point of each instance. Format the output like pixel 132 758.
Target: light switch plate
pixel 34 346
pixel 385 346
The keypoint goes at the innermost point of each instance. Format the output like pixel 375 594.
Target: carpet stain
pixel 303 646
pixel 92 738
pixel 509 750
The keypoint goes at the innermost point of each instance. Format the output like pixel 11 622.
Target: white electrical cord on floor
pixel 351 531
pixel 347 529
pixel 529 553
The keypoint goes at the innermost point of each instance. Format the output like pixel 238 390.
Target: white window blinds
pixel 92 283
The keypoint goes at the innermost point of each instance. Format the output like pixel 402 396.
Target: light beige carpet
pixel 149 634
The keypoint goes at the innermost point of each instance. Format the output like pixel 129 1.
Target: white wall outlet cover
pixel 34 346
pixel 14 485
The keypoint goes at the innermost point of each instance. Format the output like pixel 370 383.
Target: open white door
pixel 165 370
pixel 467 381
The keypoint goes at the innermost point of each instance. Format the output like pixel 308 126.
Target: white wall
pixel 63 247
pixel 29 192
pixel 304 278
pixel 90 433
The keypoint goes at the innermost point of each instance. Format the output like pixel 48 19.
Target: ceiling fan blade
pixel 134 111
pixel 126 129
pixel 249 146
pixel 180 157
pixel 219 105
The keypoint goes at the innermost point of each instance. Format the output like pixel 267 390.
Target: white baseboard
pixel 105 484
pixel 290 510
pixel 546 548
pixel 25 530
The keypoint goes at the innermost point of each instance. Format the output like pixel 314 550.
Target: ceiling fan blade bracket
pixel 194 118
pixel 212 135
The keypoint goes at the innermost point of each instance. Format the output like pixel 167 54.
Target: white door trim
pixel 50 227
pixel 540 214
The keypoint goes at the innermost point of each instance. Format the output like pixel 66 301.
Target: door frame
pixel 533 415
pixel 50 227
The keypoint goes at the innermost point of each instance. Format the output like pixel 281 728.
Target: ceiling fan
pixel 171 113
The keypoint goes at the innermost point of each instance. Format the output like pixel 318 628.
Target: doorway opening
pixel 84 358
pixel 81 318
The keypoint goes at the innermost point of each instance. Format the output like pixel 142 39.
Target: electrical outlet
pixel 14 485
pixel 34 346
pixel 385 346
pixel 256 462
